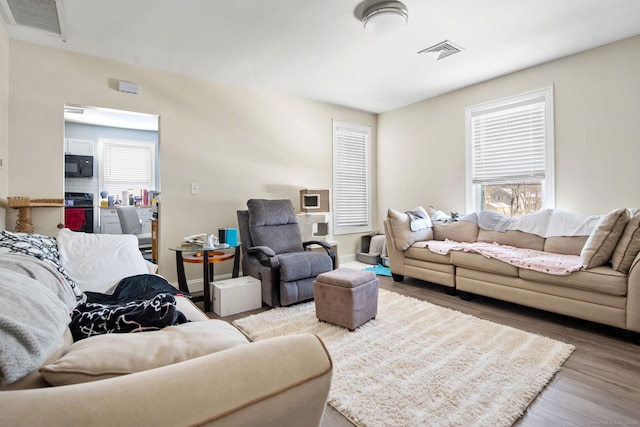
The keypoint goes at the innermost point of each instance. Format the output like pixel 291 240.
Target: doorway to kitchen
pixel 114 173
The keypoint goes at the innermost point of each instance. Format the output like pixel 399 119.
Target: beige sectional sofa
pixel 203 372
pixel 605 288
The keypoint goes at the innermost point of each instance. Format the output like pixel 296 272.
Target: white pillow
pixel 97 262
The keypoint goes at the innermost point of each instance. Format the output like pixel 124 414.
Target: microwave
pixel 76 166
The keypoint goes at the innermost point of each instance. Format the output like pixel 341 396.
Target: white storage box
pixel 233 296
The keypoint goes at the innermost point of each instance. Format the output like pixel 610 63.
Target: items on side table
pixel 346 297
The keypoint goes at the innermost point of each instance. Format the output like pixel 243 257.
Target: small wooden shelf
pixel 24 205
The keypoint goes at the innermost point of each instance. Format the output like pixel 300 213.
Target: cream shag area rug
pixel 419 364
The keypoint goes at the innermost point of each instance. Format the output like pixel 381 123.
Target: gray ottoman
pixel 346 297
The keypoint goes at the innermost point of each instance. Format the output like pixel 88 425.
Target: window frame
pixel 474 191
pixel 338 193
pixel 150 145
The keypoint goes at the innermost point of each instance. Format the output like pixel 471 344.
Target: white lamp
pixel 385 17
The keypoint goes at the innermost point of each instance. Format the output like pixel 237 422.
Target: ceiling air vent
pixel 45 15
pixel 441 50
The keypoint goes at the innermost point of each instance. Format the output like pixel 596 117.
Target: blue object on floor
pixel 380 270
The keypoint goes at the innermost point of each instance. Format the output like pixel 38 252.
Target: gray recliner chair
pixel 274 253
pixel 130 224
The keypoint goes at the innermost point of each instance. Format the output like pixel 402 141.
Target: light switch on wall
pixel 195 188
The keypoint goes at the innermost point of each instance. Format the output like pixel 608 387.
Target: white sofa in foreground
pixel 591 272
pixel 203 372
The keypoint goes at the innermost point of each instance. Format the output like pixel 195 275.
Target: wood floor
pixel 598 385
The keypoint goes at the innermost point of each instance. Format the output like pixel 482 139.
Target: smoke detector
pixel 44 15
pixel 441 50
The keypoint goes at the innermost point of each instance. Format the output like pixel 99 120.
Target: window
pixel 509 154
pixel 351 178
pixel 126 165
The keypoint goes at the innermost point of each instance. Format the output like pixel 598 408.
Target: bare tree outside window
pixel 513 199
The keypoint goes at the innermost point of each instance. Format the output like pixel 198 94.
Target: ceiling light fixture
pixel 385 17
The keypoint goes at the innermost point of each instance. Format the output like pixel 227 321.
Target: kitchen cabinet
pixel 82 147
pixel 145 214
pixel 110 223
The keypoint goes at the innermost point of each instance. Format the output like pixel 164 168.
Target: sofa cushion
pixel 601 279
pixel 604 238
pixel 97 262
pixel 460 231
pixel 302 265
pixel 516 238
pixel 420 250
pixel 111 355
pixel 400 224
pixel 479 262
pixel 565 245
pixel 273 223
pixel 628 246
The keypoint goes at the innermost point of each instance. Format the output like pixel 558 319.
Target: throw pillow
pixel 39 246
pixel 111 355
pixel 628 246
pixel 400 225
pixel 604 238
pixel 97 262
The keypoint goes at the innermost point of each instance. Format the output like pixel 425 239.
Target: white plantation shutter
pixel 509 143
pixel 351 178
pixel 127 165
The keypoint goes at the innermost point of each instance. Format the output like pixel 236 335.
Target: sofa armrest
pixel 633 296
pixel 281 381
pixel 326 246
pixel 396 256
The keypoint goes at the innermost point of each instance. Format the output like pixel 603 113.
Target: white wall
pixel 236 143
pixel 4 119
pixel 597 128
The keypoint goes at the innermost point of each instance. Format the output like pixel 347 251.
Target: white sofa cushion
pixel 97 262
pixel 111 355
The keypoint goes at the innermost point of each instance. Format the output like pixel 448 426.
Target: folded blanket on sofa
pixel 144 302
pixel 138 287
pixel 419 219
pixel 89 319
pixel 35 302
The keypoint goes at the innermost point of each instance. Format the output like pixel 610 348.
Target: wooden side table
pixel 207 269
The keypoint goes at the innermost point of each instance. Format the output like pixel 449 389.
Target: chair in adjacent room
pixel 274 253
pixel 130 223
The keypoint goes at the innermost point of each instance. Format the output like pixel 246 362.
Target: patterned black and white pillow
pixel 40 246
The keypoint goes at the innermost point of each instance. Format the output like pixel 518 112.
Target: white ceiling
pixel 317 49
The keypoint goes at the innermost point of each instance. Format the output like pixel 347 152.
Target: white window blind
pixel 351 178
pixel 127 165
pixel 509 143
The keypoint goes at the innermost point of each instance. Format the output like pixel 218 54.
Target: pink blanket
pixel 545 262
